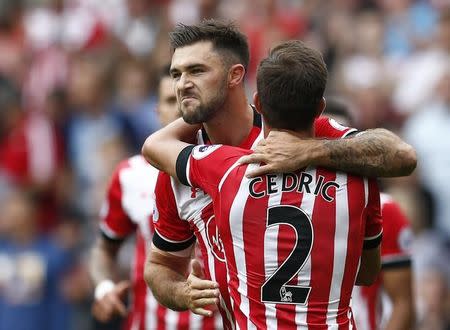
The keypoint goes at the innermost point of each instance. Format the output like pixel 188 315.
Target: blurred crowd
pixel 77 95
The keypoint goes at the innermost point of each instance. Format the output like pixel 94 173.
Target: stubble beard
pixel 205 112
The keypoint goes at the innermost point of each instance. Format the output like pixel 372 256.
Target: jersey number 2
pixel 275 289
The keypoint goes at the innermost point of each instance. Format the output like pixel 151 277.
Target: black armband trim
pixel 114 240
pixel 351 133
pixel 164 245
pixel 181 164
pixel 373 243
pixel 395 264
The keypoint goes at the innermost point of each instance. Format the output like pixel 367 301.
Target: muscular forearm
pixel 167 285
pixel 374 153
pixel 103 265
pixel 161 149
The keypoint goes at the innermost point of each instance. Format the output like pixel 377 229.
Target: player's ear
pixel 236 75
pixel 321 107
pixel 257 102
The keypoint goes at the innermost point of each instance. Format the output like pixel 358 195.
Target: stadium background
pixel 77 95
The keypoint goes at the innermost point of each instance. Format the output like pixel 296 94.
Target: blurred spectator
pixel 135 102
pixel 409 25
pixel 93 133
pixel 423 130
pixel 33 268
pixel 12 40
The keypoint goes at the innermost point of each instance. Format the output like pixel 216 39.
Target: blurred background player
pixel 388 303
pixel 126 211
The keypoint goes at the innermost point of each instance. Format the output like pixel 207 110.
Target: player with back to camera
pixel 208 68
pixel 388 303
pixel 126 211
pixel 295 243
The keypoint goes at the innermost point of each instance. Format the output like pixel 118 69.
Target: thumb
pixel 122 288
pixel 197 269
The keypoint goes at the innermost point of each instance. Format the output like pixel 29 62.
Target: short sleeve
pixel 374 222
pixel 397 236
pixel 171 232
pixel 115 224
pixel 325 127
pixel 204 166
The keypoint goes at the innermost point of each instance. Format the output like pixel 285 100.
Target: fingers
pixel 200 294
pixel 253 158
pixel 202 312
pixel 262 170
pixel 199 284
pixel 118 305
pixel 108 307
pixel 122 288
pixel 204 306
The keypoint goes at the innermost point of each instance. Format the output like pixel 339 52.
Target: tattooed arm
pixel 373 153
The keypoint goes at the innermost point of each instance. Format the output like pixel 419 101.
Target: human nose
pixel 184 82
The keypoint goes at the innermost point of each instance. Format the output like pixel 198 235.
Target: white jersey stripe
pixel 150 311
pixel 340 248
pixel 211 266
pixel 171 319
pixel 232 167
pixel 366 192
pixel 304 276
pixel 236 228
pixel 195 321
pixel 271 255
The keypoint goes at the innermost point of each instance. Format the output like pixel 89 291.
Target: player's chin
pixel 192 118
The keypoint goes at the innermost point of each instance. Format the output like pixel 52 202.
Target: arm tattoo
pixel 373 153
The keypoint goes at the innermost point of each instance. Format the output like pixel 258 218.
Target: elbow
pixel 148 149
pixel 367 280
pixel 409 159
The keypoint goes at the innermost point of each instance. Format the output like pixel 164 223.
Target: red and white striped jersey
pixel 292 241
pixel 127 210
pixel 183 213
pixel 371 305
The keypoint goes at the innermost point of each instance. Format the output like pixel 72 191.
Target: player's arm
pixel 372 153
pixel 370 263
pixel 161 149
pixel 396 265
pixel 115 226
pixel 397 282
pixel 369 267
pixel 109 294
pixel 167 275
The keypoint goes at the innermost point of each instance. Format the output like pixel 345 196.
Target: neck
pixel 233 122
pixel 302 134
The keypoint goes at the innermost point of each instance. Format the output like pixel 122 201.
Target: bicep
pixel 370 266
pixel 398 283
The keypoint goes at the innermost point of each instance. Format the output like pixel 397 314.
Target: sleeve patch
pixel 200 152
pixel 405 239
pixel 336 125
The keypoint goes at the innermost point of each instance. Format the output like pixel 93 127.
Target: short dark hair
pixel 224 36
pixel 291 82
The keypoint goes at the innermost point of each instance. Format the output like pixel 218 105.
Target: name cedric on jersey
pixel 302 182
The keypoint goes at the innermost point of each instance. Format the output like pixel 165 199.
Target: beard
pixel 205 112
